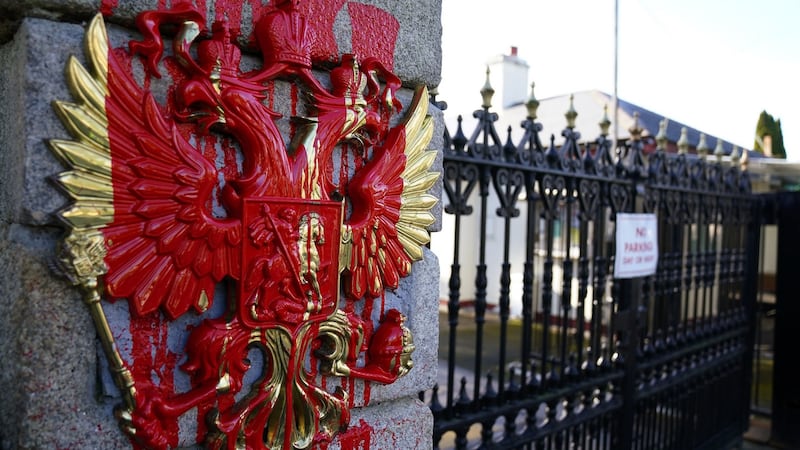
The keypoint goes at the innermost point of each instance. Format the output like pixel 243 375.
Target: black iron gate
pixel 562 355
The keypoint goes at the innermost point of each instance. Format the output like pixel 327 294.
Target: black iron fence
pixel 563 355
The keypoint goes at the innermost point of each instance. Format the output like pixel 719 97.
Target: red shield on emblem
pixel 289 273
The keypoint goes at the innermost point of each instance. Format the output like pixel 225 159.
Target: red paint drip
pixel 202 6
pixel 344 169
pixel 320 17
pixel 293 94
pixel 359 159
pixel 107 7
pixel 230 10
pixel 257 9
pixel 202 428
pixel 178 76
pixel 374 32
pixel 366 313
pixel 352 391
pixel 153 364
pixel 367 392
pixel 212 146
pixel 270 88
pixel 209 150
pixel 314 367
pixel 146 81
pixel 231 170
pixel 357 437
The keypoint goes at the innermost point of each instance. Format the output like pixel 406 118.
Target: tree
pixel 768 126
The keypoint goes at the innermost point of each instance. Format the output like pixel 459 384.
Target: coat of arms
pixel 298 239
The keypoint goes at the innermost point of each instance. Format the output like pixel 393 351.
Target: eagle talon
pixel 143 423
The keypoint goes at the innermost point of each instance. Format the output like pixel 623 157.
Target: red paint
pixel 277 287
pixel 200 5
pixel 357 437
pixel 367 392
pixel 208 146
pixel 366 313
pixel 293 92
pixel 230 11
pixel 344 167
pixel 270 92
pixel 167 251
pixel 352 390
pixel 257 8
pixel 324 48
pixel 374 33
pixel 203 410
pixel 107 7
pixel 359 159
pixel 230 170
pixel 153 365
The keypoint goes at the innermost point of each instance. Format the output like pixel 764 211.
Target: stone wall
pixel 56 391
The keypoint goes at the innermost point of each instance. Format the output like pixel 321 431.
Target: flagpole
pixel 616 71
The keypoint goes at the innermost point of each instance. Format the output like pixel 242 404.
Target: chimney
pixel 766 144
pixel 509 78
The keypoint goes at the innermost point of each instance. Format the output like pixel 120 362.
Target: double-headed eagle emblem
pixel 298 238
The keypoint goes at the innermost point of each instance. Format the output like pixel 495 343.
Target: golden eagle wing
pixel 391 206
pixel 137 182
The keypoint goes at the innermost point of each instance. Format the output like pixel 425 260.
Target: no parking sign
pixel 637 245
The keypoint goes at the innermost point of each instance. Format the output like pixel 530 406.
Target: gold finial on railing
pixel 487 91
pixel 571 114
pixel 719 152
pixel 735 155
pixel 604 123
pixel 745 159
pixel 532 104
pixel 683 142
pixel 702 146
pixel 635 130
pixel 661 137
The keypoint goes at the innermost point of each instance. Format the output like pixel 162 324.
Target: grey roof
pixel 650 121
pixel 589 105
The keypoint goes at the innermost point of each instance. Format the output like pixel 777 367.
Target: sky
pixel 711 64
